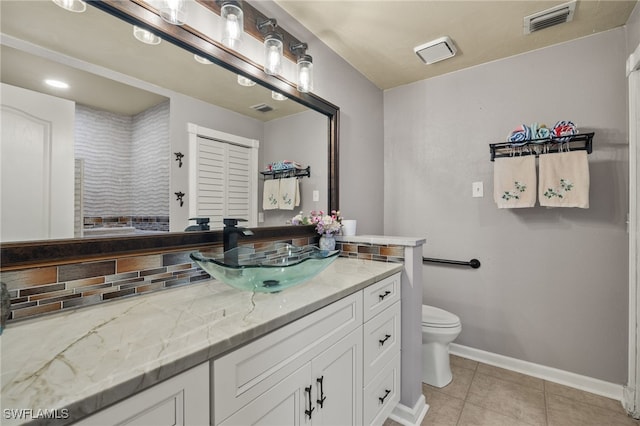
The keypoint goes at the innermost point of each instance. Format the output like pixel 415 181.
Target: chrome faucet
pixel 231 232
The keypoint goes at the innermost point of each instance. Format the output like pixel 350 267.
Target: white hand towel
pixel 287 200
pixel 564 180
pixel 271 194
pixel 514 182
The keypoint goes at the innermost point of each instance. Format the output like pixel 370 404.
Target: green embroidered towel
pixel 271 194
pixel 564 180
pixel 514 182
pixel 289 194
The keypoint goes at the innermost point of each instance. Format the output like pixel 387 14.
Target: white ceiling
pixel 378 37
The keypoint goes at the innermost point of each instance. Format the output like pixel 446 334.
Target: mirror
pixel 179 91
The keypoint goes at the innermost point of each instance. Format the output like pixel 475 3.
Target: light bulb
pixel 273 54
pixel 174 11
pixel 232 29
pixel 305 74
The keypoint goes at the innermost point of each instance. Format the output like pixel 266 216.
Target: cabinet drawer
pixel 381 295
pixel 382 394
pixel 182 400
pixel 251 370
pixel 381 340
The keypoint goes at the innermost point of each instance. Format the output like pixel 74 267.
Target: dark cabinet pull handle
pixel 386 337
pixel 387 392
pixel 385 294
pixel 322 397
pixel 310 409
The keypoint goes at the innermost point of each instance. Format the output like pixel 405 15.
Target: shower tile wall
pixel 126 165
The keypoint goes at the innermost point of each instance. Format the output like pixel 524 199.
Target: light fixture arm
pixel 298 49
pixel 271 22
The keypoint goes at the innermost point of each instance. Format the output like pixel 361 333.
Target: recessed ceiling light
pixel 244 81
pixel 72 5
pixel 145 36
pixel 278 96
pixel 57 84
pixel 202 60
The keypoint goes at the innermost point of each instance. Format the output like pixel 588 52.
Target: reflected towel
pixel 564 180
pixel 271 194
pixel 289 194
pixel 514 182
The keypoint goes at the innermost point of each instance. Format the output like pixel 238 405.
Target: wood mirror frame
pixel 39 253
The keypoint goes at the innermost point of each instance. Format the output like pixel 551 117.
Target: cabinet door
pixel 182 400
pixel 283 404
pixel 337 382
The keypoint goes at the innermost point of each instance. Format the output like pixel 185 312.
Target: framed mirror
pixel 167 82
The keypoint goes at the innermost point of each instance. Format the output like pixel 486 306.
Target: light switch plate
pixel 477 189
pixel 316 195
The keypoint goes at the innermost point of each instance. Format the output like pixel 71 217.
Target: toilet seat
pixel 438 318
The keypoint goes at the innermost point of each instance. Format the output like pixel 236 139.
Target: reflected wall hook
pixel 180 194
pixel 179 156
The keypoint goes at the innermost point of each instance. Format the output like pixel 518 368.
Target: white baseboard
pixel 588 384
pixel 408 416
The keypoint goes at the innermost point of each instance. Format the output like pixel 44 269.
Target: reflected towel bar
pixel 474 263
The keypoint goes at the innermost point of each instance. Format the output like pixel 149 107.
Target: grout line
pixel 546 406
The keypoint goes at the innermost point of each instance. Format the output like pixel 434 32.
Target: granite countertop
pixel 87 359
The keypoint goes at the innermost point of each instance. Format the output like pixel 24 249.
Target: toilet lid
pixel 438 317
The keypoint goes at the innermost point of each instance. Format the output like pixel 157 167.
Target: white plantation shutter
pixel 222 177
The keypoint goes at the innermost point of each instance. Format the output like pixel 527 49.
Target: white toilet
pixel 439 328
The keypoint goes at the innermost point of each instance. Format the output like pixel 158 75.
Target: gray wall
pixel 303 138
pixel 185 110
pixel 361 126
pixel 633 30
pixel 553 284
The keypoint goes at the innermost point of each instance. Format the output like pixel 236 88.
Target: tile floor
pixel 483 395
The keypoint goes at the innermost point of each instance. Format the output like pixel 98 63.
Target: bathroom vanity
pixel 324 352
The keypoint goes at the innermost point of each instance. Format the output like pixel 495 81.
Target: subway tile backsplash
pixel 50 289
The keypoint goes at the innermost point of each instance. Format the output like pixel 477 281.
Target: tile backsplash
pixel 49 289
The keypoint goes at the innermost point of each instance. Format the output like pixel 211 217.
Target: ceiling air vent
pixel 550 17
pixel 436 50
pixel 262 107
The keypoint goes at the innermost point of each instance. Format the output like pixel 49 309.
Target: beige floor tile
pixel 508 398
pixel 472 415
pixel 444 410
pixel 459 385
pixel 564 411
pixel 511 376
pixel 582 396
pixel 458 361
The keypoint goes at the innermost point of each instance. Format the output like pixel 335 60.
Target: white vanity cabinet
pixel 307 372
pixel 339 365
pixel 381 335
pixel 182 400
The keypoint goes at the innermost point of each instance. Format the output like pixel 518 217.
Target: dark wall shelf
pixel 579 142
pixel 281 174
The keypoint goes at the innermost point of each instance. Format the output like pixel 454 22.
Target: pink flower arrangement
pixel 326 224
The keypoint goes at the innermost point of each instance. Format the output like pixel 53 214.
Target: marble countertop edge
pixel 382 240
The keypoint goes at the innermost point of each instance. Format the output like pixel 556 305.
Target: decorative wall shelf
pixel 281 174
pixel 579 142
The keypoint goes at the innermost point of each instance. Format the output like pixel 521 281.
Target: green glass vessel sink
pixel 267 270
